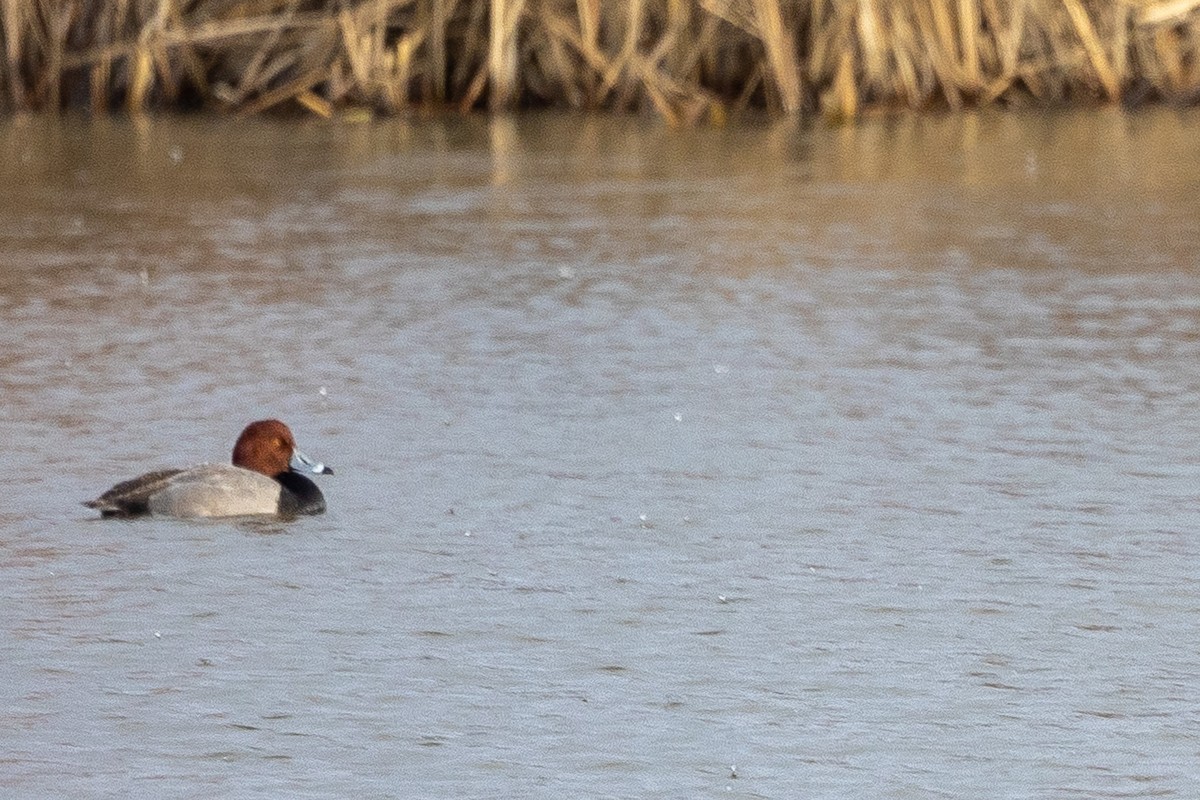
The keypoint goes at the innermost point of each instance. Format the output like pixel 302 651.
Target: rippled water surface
pixel 764 462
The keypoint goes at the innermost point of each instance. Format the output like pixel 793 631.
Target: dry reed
pixel 688 59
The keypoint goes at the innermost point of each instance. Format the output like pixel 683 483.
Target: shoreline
pixel 687 61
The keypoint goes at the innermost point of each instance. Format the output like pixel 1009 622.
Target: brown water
pixel 764 462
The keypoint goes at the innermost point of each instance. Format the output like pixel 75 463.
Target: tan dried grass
pixel 686 59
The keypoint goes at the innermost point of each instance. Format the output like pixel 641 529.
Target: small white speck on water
pixel 158 634
pixel 723 598
pixel 679 417
pixel 176 154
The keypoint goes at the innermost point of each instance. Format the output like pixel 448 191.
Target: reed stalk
pixel 685 59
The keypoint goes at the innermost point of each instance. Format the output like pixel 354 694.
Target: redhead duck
pixel 263 479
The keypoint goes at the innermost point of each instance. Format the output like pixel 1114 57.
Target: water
pixel 764 462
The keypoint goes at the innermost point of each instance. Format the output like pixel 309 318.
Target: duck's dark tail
pixel 131 498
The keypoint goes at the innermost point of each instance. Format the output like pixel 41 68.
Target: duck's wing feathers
pixel 132 497
pixel 217 490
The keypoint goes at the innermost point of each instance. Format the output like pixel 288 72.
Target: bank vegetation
pixel 686 59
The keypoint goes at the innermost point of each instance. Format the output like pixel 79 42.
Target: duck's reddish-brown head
pixel 265 446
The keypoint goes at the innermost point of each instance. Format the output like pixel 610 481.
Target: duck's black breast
pixel 299 495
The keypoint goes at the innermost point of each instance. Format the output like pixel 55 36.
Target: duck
pixel 265 478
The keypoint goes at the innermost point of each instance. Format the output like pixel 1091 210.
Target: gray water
pixel 767 462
